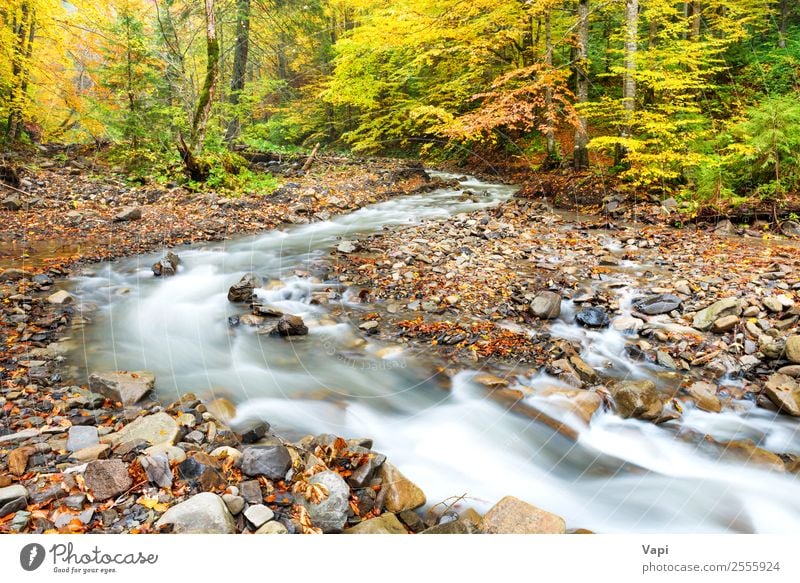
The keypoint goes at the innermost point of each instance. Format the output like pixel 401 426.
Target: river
pixel 619 475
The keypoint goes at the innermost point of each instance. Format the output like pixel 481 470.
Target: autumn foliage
pixel 672 97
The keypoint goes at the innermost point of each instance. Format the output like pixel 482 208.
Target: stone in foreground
pixel 107 478
pixel 258 515
pixel 401 493
pixel 126 387
pixel 12 493
pixel 155 429
pixel 272 527
pixel 513 516
pixel 638 399
pixel 384 524
pixel 705 318
pixel 272 461
pixel 784 392
pixel 204 513
pixel 547 305
pixel 330 514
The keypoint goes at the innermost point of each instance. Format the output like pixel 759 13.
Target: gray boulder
pixel 330 513
pixel 658 304
pixel 82 436
pixel 547 305
pixel 204 513
pixel 272 461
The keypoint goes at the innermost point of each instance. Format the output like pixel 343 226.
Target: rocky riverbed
pixel 638 322
pixel 521 290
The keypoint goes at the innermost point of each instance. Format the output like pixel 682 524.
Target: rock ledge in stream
pixel 126 387
pixel 168 265
pixel 242 291
pixel 637 399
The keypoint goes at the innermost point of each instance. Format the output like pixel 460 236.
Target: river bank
pixel 77 210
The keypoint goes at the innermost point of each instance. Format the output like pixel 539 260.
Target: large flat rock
pixel 126 387
pixel 155 429
pixel 513 516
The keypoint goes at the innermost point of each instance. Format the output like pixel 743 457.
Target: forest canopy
pixel 697 98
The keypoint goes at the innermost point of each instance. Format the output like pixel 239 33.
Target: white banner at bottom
pixel 620 558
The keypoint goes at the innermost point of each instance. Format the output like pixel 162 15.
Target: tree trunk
pixel 695 15
pixel 649 94
pixel 551 161
pixel 580 157
pixel 784 21
pixel 20 70
pixel 629 76
pixel 239 66
pixel 129 74
pixel 282 61
pixel 190 152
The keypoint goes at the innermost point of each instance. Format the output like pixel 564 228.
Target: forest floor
pixel 483 288
pixel 81 209
pixel 600 193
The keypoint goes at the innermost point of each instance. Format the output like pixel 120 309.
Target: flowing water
pixel 617 476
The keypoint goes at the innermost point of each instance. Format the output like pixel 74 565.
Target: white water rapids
pixel 619 476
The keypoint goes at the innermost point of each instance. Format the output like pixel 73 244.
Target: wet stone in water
pixel 592 317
